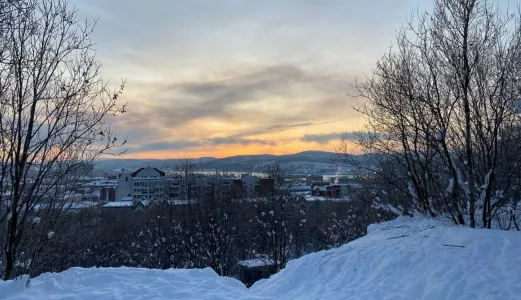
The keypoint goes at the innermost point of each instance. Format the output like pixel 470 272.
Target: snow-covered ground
pixel 127 283
pixel 401 259
pixel 404 259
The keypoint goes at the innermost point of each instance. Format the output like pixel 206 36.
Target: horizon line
pixel 215 157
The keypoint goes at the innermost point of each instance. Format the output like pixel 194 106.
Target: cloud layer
pixel 269 107
pixel 324 138
pixel 225 77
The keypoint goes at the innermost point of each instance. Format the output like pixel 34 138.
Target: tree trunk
pixel 11 238
pixel 466 105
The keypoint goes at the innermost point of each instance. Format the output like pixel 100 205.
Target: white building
pixel 144 184
pixel 124 187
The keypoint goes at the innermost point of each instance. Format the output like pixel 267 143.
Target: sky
pixel 231 77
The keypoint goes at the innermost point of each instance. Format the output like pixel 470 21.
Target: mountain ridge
pixel 305 162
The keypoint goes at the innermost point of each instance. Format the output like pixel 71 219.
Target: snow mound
pixel 402 259
pixel 407 259
pixel 127 283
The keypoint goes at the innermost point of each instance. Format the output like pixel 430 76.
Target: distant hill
pixel 307 162
pixel 132 164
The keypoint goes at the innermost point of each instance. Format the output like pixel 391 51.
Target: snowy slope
pixel 406 259
pixel 401 259
pixel 127 283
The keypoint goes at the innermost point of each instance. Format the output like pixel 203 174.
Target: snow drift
pixel 127 283
pixel 407 259
pixel 402 259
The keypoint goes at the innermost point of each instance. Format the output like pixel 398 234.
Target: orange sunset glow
pixel 223 78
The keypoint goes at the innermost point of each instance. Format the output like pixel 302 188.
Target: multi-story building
pixel 148 183
pixel 174 188
pixel 107 194
pixel 124 187
pixel 143 184
pixel 151 184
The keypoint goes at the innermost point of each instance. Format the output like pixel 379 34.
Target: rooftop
pixel 135 173
pixel 119 204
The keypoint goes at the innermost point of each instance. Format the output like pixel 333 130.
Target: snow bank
pixel 407 259
pixel 402 259
pixel 127 283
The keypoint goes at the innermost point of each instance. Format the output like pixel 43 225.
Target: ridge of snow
pixel 407 258
pixel 127 283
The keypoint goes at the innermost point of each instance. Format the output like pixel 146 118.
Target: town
pixel 197 215
pixel 135 191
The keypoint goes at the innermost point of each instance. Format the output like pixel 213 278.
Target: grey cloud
pixel 278 128
pixel 341 103
pixel 327 137
pixel 173 145
pixel 186 144
pixel 137 126
pixel 239 141
pixel 194 100
pixel 171 106
pixel 179 103
pixel 290 126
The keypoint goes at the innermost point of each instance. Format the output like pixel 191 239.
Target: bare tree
pixel 186 170
pixel 278 170
pixel 53 112
pixel 273 232
pixel 209 227
pixel 274 213
pixel 441 105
